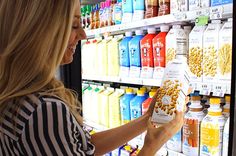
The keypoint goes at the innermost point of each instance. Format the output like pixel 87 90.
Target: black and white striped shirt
pixel 44 126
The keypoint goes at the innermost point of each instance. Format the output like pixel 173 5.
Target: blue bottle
pixel 136 104
pixel 125 105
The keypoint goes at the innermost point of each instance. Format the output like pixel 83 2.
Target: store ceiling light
pixel 86 2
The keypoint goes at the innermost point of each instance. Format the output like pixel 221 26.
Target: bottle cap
pixel 143 89
pixel 128 34
pixel 230 19
pixel 151 94
pixel 164 28
pixel 227 98
pixel 176 27
pixel 139 32
pixel 195 98
pixel 140 92
pixel 151 30
pixel 129 90
pixel 214 101
pixel 187 27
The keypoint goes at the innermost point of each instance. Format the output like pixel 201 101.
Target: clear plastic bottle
pixel 226 138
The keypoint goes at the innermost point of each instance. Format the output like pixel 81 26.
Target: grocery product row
pixel 145 54
pixel 206 122
pixel 114 12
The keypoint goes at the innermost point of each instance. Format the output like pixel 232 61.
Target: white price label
pixel 179 16
pixel 158 72
pixel 202 12
pixel 124 72
pixel 219 90
pixel 216 12
pixel 147 72
pixel 135 72
pixel 205 89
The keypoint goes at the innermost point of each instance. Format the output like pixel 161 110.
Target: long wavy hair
pixel 33 39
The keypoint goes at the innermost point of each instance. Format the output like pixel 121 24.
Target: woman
pixel 39 116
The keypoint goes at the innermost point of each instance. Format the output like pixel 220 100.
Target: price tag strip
pixel 219 90
pixel 205 88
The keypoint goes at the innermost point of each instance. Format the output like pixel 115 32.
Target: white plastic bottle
pixel 191 127
pixel 212 130
pixel 226 138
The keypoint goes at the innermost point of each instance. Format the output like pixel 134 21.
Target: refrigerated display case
pixel 73 75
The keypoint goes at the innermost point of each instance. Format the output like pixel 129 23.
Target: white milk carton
pixel 225 53
pixel 196 53
pixel 210 51
pixel 173 90
pixel 176 43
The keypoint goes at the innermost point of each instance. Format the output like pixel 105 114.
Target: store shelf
pixel 217 12
pixel 217 89
pixel 135 81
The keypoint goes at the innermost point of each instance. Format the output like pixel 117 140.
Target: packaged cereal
pixel 196 53
pixel 225 53
pixel 210 51
pixel 173 90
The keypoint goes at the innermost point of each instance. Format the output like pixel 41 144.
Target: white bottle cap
pixel 139 32
pixel 164 28
pixel 216 21
pixel 128 34
pixel 187 27
pixel 215 108
pixel 230 20
pixel 176 27
pixel 151 30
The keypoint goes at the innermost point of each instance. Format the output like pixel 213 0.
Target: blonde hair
pixel 34 37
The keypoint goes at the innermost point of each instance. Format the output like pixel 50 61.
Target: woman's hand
pixel 158 135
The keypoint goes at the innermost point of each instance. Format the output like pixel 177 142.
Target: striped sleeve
pixel 53 130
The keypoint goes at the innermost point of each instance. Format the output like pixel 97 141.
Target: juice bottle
pixel 113 56
pixel 104 107
pixel 83 17
pixel 139 7
pixel 135 54
pixel 136 105
pixel 125 105
pixel 146 103
pixel 151 8
pixel 164 7
pixel 147 54
pixel 226 138
pixel 127 8
pixel 101 15
pixel 114 108
pixel 88 16
pixel 117 12
pixel 191 127
pixel 124 55
pixel 212 130
pixel 226 107
pixel 159 48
